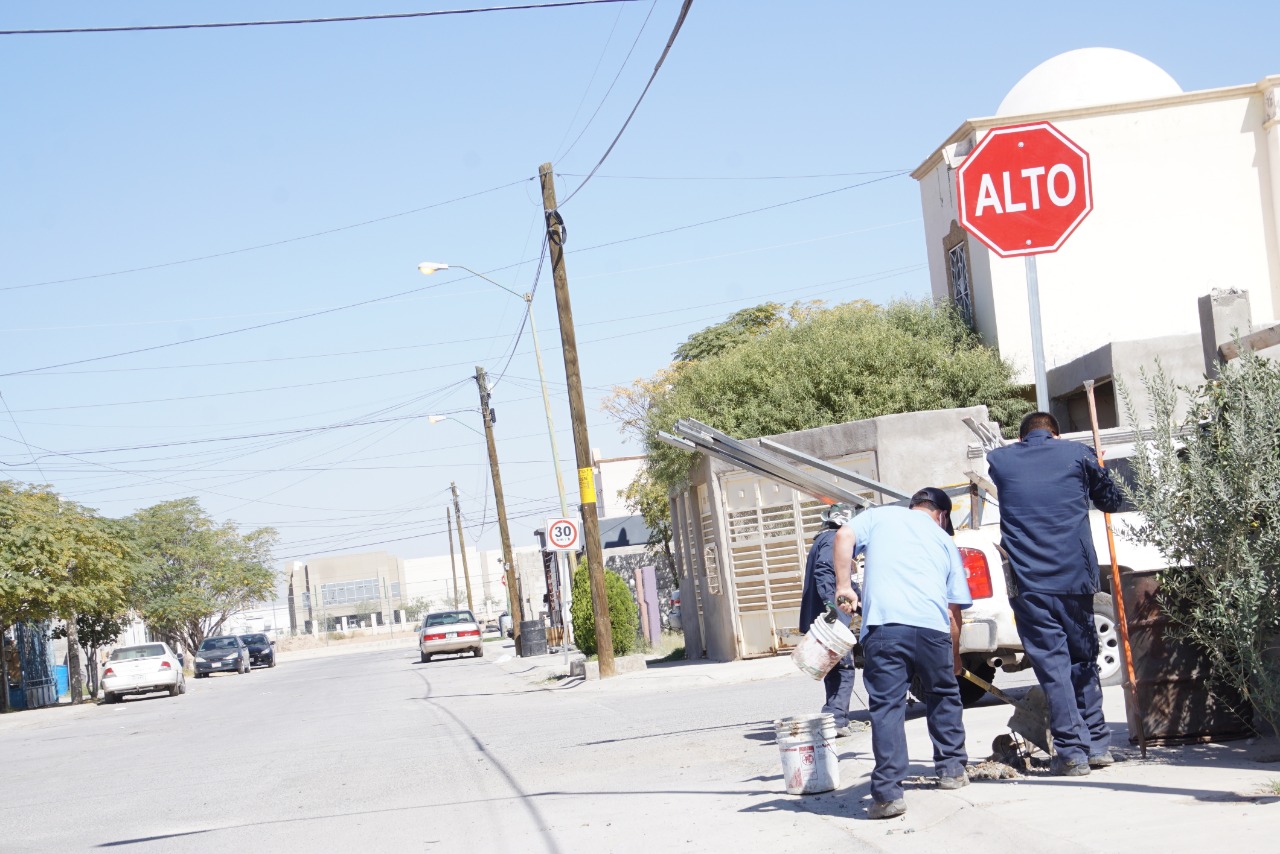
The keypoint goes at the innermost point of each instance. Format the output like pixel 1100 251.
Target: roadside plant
pixel 623 614
pixel 1208 485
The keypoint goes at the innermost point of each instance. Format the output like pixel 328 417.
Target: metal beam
pixel 830 468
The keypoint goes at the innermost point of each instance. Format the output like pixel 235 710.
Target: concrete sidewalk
pixel 1193 798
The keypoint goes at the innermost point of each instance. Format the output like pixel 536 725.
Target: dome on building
pixel 1086 78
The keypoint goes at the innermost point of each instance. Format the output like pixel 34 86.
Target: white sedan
pixel 142 669
pixel 449 631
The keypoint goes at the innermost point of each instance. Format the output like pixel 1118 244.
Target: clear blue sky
pixel 131 150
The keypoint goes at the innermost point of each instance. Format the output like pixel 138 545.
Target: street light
pixel 426 268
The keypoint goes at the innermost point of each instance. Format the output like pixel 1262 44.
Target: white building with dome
pixel 1186 190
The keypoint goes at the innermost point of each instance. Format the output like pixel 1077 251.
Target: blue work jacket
pixel 820 581
pixel 1044 486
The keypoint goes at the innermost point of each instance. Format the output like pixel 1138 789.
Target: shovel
pixel 1030 717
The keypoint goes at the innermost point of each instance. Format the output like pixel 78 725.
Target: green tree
pixel 1207 486
pixel 821 366
pixel 59 560
pixel 623 614
pixel 94 630
pixel 193 575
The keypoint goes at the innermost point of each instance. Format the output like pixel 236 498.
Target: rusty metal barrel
pixel 1179 700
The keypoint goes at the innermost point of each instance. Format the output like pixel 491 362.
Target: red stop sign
pixel 1024 189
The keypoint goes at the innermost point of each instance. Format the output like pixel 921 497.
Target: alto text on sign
pixel 1024 189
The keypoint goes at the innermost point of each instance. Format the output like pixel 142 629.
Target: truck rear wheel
pixel 1110 657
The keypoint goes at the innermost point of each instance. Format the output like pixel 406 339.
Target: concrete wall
pixel 1185 199
pixel 1117 368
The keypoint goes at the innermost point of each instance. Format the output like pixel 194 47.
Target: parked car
pixel 142 669
pixel 220 655
pixel 490 628
pixel 262 650
pixel 449 631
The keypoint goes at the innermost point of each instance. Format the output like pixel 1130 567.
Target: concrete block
pixel 580 668
pixel 1224 314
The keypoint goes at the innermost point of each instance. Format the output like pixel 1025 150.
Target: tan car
pixel 449 631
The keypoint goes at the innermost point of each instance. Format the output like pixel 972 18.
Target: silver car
pixel 449 631
pixel 142 669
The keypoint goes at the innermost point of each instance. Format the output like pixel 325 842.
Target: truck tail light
pixel 977 572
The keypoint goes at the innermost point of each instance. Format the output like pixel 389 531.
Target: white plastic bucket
pixel 823 645
pixel 809 762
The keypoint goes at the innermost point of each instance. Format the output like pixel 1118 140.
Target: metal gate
pixel 35 654
pixel 769 528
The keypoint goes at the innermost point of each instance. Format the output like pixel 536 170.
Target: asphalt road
pixel 368 750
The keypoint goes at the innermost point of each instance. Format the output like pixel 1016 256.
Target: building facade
pixel 1186 189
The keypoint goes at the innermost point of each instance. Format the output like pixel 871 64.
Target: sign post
pixel 1022 191
pixel 564 537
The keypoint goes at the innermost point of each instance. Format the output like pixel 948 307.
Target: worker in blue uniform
pixel 1044 485
pixel 913 587
pixel 819 590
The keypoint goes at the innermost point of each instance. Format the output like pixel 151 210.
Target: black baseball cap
pixel 938 499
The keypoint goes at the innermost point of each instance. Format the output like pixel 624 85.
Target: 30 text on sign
pixel 564 535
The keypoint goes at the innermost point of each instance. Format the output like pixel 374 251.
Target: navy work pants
pixel 839 685
pixel 894 653
pixel 1059 637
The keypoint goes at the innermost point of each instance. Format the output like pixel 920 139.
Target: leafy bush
pixel 1208 487
pixel 623 616
pixel 752 376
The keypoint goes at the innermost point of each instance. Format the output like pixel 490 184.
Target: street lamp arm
pixel 429 267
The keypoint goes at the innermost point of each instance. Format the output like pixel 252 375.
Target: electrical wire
pixel 609 91
pixel 675 31
pixel 591 81
pixel 34 460
pixel 728 217
pixel 344 19
pixel 737 177
pixel 264 245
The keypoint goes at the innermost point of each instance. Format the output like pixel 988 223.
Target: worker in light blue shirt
pixel 913 589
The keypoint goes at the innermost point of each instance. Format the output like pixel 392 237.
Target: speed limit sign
pixel 564 535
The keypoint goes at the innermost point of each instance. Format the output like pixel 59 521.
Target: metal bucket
pixel 1179 701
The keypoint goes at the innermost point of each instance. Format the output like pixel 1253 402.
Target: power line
pixel 727 217
pixel 591 81
pixel 344 19
pixel 739 177
pixel 264 245
pixel 671 40
pixel 226 332
pixel 616 77
pixel 34 460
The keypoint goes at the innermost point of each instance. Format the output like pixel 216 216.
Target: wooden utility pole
pixel 578 415
pixel 453 561
pixel 513 594
pixel 462 547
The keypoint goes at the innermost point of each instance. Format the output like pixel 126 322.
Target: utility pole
pixel 453 562
pixel 482 382
pixel 578 415
pixel 462 547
